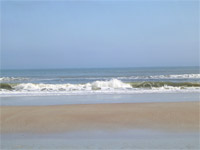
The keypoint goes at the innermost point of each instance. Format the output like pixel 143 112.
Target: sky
pixel 98 34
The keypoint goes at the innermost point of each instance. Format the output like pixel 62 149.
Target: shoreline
pixel 171 116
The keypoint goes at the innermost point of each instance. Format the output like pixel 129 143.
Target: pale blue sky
pixel 75 34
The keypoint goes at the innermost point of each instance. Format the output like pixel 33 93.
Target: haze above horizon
pixel 107 34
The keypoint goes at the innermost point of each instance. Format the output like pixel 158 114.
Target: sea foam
pixel 175 76
pixel 113 86
pixel 97 85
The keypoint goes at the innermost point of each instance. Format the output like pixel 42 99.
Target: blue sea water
pixel 76 76
pixel 99 81
pixel 68 86
pixel 135 139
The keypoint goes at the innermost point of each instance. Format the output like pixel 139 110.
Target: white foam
pixel 8 79
pixel 177 76
pixel 94 92
pixel 113 86
pixel 97 85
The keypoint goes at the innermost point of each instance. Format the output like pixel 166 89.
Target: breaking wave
pixel 97 85
pixel 9 79
pixel 111 86
pixel 178 76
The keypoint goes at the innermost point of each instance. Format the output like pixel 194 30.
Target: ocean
pixel 45 82
pixel 46 87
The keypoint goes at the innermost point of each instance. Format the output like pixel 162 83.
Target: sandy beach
pixel 176 116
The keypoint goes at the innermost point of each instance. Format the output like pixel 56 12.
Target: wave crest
pixel 97 85
pixel 9 79
pixel 113 84
pixel 177 76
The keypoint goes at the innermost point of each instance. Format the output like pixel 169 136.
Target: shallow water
pixel 101 139
pixel 98 99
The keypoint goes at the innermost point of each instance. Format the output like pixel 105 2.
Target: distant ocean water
pixel 99 81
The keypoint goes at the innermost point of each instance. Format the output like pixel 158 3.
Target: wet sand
pixel 176 116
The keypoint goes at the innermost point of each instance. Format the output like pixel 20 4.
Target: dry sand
pixel 50 119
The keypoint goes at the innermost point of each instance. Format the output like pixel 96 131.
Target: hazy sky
pixel 68 34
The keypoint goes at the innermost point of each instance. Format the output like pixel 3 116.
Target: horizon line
pixel 95 68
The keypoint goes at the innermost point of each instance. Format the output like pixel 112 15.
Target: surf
pixel 113 84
